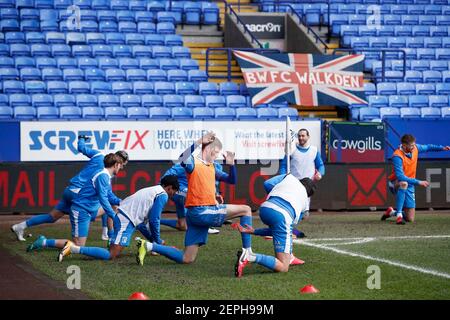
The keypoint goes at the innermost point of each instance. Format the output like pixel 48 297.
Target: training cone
pixel 309 289
pixel 138 296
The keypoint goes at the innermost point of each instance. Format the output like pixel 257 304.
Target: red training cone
pixel 138 296
pixel 309 289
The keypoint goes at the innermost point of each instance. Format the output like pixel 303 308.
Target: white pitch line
pixel 379 238
pixel 367 257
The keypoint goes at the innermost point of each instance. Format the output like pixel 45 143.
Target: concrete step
pixel 202 62
pixel 215 55
pixel 187 30
pixel 222 68
pixel 218 80
pixel 204 45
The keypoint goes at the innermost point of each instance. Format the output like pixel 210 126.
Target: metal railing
pixel 383 62
pixel 229 52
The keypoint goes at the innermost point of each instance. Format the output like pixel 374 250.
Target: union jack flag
pixel 303 79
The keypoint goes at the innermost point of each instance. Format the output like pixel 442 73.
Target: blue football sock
pixel 263 232
pixel 110 233
pixel 50 243
pixel 169 252
pixel 246 237
pixel 266 261
pixel 145 232
pixel 400 199
pixel 95 252
pixel 104 220
pixel 40 219
pixel 169 223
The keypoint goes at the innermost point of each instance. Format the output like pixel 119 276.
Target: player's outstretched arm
pixel 102 186
pixel 154 217
pixel 431 148
pixel 84 149
pixel 272 182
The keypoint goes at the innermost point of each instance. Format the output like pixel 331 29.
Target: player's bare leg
pixel 410 214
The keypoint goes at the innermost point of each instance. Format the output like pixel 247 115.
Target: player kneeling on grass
pixel 403 180
pixel 203 211
pixel 283 209
pixel 94 194
pixel 144 205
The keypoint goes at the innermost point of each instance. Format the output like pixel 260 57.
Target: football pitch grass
pixel 414 262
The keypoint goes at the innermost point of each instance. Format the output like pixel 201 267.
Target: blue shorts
pixel 66 201
pixel 410 196
pixel 200 219
pixel 79 220
pixel 180 198
pixel 281 225
pixel 123 230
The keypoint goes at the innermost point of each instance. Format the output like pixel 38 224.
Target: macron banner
pixel 351 142
pixel 303 79
pixel 156 140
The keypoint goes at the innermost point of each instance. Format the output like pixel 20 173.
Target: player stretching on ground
pixel 202 209
pixel 305 162
pixel 402 180
pixel 180 197
pixel 144 205
pixel 63 207
pixel 85 206
pixel 283 209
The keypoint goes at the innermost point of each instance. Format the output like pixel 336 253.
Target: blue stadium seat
pixel 167 64
pixel 35 37
pixel 154 39
pixel 19 99
pixel 188 64
pixel 192 12
pixel 106 100
pixel 55 38
pixel 203 113
pixel 4 100
pixel 101 87
pixel 432 113
pixel 386 88
pixel 413 76
pixel 156 75
pixel 405 88
pixel 177 75
pixel 92 113
pixel 181 113
pixel 125 15
pixel 79 87
pixel 49 26
pixel 141 51
pixel 95 38
pixel 47 113
pixel 136 75
pixel 143 87
pixel 61 50
pixel 86 100
pixel 210 88
pixel 164 28
pixel 445 112
pixel 395 42
pixel 420 65
pixel 442 54
pixel 9 25
pixel 161 52
pixel 180 52
pixel 228 88
pixel 39 49
pixel 137 113
pixel 267 113
pixel 163 87
pixel 172 40
pixel 86 63
pixel 99 4
pixel 144 16
pixel 418 101
pixel 55 87
pixel 14 37
pixel 107 63
pixel 173 101
pixel 236 101
pixel 74 74
pixel 152 100
pixel 88 15
pixel 432 76
pixel 224 113
pixel 121 50
pixel 70 113
pixel 126 63
pixel 13 86
pixel 4 49
pixel 9 74
pixel 438 31
pixel 443 88
pixel 389 113
pixel 64 100
pixel 410 113
pixel 94 74
pixel 24 113
pixel 194 101
pixel 159 113
pixel 215 101
pixel 19 49
pixel 245 113
pixel 378 101
pixel 121 87
pixel 168 16
pixel 437 101
pixel 197 75
pixel 130 100
pixel 13 13
pixel 45 62
pixel 288 112
pixel 114 38
pixel 210 13
pixel 115 113
pixel 425 88
pixel 128 26
pixel 6 113
pixel 108 26
pixel 35 86
pixel 115 75
pixel 398 101
pixel 369 114
pixel 7 62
